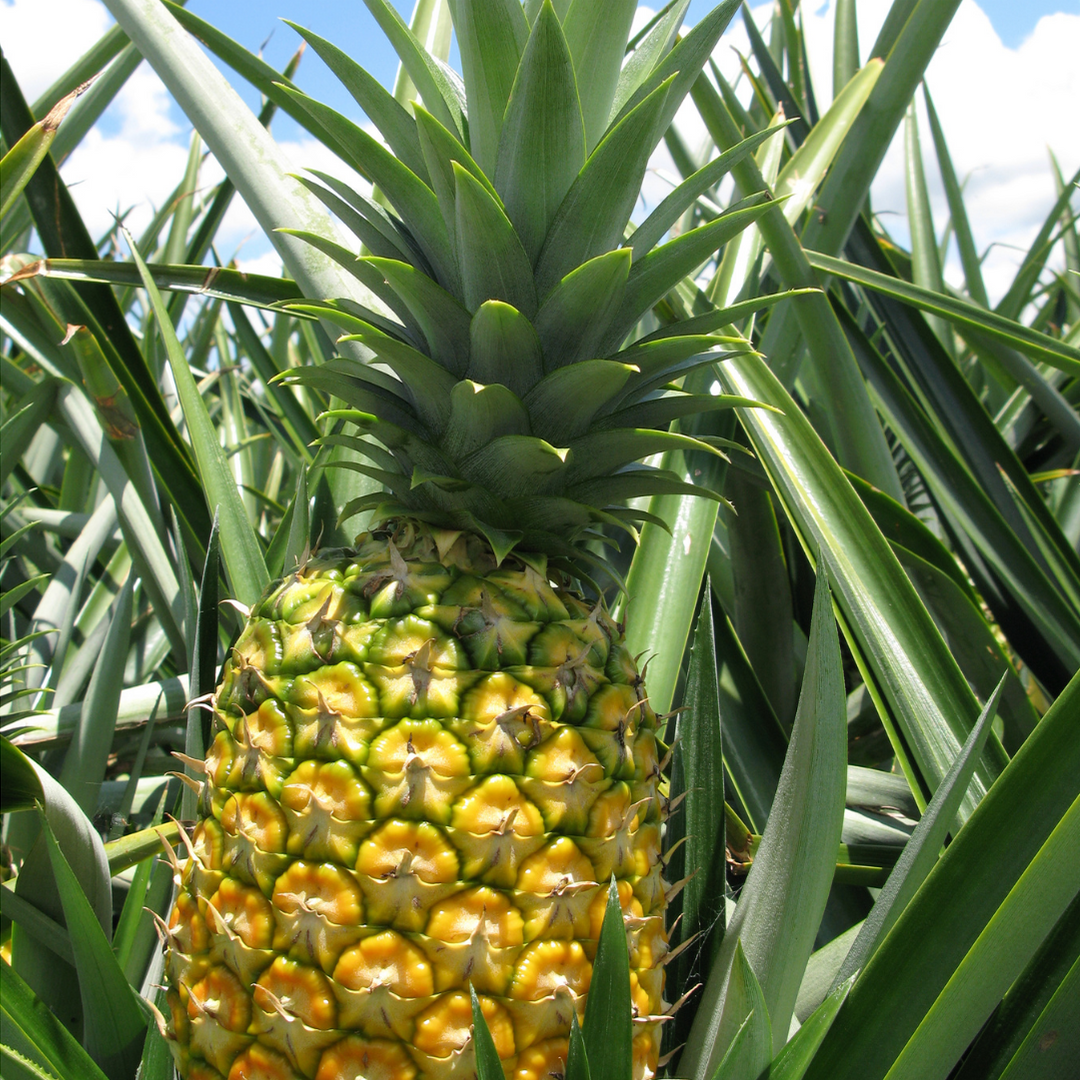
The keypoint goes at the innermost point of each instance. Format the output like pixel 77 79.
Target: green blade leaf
pixel 407 193
pixel 590 221
pixel 91 743
pixel 491 38
pixel 393 122
pixel 596 32
pixel 504 348
pixel 781 904
pixel 218 282
pixel 577 313
pixel 794 1059
pixel 494 265
pixel 30 1027
pixel 697 771
pixel 250 157
pixel 20 787
pixel 969 256
pixel 921 851
pixel 488 1066
pixel 563 403
pixel 577 1058
pixel 1020 1035
pixel 479 415
pixel 432 80
pixel 919 679
pixel 22 160
pixel 652 230
pixel 652 277
pixel 962 313
pixel 649 49
pixel 542 143
pixel 1045 603
pixel 443 320
pixel 750 1051
pixel 114 1024
pixel 244 561
pixel 977 920
pixel 23 423
pixel 608 1028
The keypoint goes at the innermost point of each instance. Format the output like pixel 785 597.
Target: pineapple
pixel 430 753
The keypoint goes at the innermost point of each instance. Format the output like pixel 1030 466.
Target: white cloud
pixel 1001 110
pixel 43 38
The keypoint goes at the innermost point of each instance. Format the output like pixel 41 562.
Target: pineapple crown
pixel 501 395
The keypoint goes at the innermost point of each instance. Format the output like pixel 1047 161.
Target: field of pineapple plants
pixel 534 637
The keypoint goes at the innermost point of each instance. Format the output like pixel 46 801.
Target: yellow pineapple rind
pixel 424 771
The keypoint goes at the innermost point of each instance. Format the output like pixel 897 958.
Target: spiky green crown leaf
pixel 502 396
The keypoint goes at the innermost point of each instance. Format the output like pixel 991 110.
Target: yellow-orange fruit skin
pixel 424 771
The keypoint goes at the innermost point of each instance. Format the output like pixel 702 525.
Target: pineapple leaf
pixel 883 614
pixel 542 143
pixel 575 316
pixel 491 38
pixel 636 483
pixel 921 851
pixel 781 904
pixel 440 317
pixel 794 1059
pixel 596 33
pixel 647 54
pixel 652 277
pixel 422 379
pixel 562 405
pixel 750 1051
pixel 362 271
pixel 500 465
pixel 978 919
pixel 608 1032
pixel 577 1059
pixel 23 423
pixel 114 1024
pixel 659 412
pixel 652 230
pixel 21 788
pixel 480 414
pixel 682 65
pixel 85 762
pixel 380 233
pixel 38 1034
pixel 441 150
pixel 592 218
pixel 220 282
pixel 603 452
pixel 361 393
pixel 244 560
pixel 962 313
pixel 698 770
pixel 428 76
pixel 408 194
pixel 720 317
pixel 504 348
pixel 203 661
pixel 494 265
pixel 392 120
pixel 502 541
pixel 488 1066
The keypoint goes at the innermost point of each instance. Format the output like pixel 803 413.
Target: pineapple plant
pixel 433 758
pixel 430 752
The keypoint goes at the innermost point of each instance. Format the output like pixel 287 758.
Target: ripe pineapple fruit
pixel 431 754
